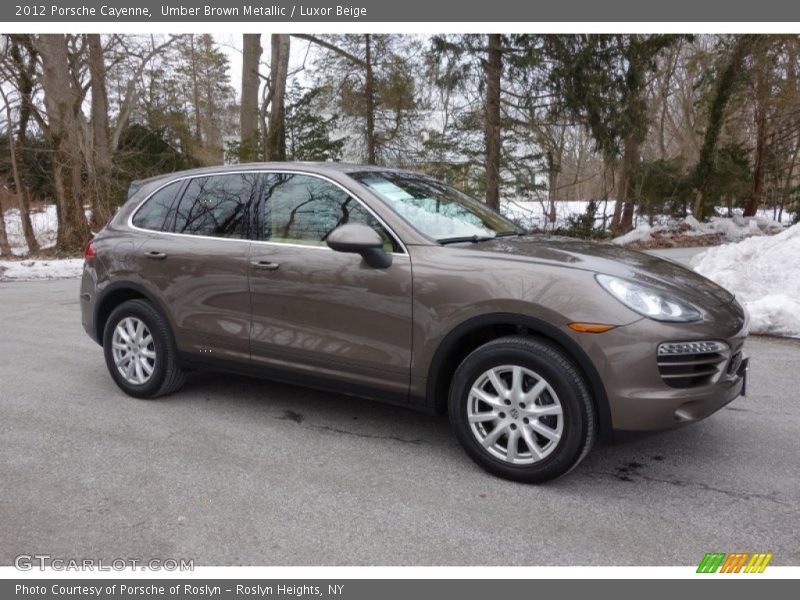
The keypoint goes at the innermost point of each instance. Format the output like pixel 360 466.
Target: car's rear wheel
pixel 140 351
pixel 522 410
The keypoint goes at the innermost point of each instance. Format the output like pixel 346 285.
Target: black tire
pixel 579 428
pixel 167 376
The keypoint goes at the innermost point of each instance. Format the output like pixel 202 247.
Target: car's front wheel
pixel 140 351
pixel 521 409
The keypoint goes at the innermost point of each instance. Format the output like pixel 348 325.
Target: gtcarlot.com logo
pixel 42 562
pixel 736 562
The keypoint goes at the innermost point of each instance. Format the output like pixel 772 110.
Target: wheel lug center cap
pixel 514 413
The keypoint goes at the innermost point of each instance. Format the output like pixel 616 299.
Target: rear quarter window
pixel 153 214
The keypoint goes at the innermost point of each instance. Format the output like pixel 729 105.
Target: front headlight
pixel 647 301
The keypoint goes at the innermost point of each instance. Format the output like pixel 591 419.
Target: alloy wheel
pixel 515 414
pixel 133 350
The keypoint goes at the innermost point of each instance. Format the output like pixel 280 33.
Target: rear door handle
pixel 155 255
pixel 265 265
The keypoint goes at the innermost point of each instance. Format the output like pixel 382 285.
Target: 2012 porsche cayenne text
pixel 391 285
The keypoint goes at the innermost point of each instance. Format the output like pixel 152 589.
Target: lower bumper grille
pixel 685 365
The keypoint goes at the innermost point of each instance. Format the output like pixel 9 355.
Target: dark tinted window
pixel 301 209
pixel 215 206
pixel 155 210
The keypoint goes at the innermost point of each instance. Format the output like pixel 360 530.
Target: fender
pixel 544 329
pixel 125 285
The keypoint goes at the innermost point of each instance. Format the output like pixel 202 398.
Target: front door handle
pixel 265 265
pixel 155 255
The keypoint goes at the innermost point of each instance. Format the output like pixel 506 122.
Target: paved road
pixel 236 471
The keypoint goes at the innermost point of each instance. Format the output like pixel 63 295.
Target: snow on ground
pixel 532 214
pixel 764 273
pixel 28 270
pixel 45 228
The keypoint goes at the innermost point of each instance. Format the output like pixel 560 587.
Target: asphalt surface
pixel 236 471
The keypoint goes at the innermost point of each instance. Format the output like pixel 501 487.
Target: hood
pixel 612 260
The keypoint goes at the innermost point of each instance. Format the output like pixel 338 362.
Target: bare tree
pixel 279 69
pixel 763 68
pixel 5 248
pixel 359 55
pixel 141 59
pixel 248 120
pixel 99 163
pixel 22 74
pixel 61 97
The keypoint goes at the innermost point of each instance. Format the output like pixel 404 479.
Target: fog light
pixel 702 347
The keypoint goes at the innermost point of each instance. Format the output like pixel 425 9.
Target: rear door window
pixel 216 206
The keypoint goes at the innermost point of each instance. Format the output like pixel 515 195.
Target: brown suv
pixel 391 285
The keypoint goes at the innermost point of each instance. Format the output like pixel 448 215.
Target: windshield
pixel 434 208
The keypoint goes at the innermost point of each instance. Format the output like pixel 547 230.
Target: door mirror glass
pixel 360 239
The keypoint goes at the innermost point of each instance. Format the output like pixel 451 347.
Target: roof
pixel 314 167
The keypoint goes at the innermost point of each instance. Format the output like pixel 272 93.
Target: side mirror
pixel 363 240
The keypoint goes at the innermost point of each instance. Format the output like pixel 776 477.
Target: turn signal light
pixel 590 327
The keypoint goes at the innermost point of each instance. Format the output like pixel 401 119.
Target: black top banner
pixel 465 11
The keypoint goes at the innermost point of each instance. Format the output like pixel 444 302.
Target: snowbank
pixel 764 273
pixel 29 270
pixel 641 234
pixel 691 232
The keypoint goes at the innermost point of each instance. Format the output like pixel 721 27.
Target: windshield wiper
pixel 470 238
pixel 509 234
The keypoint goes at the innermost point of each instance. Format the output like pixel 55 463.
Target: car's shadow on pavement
pixel 624 460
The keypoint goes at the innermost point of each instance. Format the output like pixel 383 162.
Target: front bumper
pixel 658 410
pixel 639 398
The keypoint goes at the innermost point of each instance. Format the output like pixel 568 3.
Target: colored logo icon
pixel 736 562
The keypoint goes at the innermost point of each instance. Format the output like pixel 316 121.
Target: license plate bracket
pixel 742 372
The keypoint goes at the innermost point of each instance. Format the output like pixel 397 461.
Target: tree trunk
pixel 5 248
pixel 553 170
pixel 279 70
pixel 369 92
pixel 25 74
pixel 761 110
pixel 64 131
pixel 616 216
pixel 248 118
pixel 101 165
pixel 630 162
pixel 198 127
pixel 494 70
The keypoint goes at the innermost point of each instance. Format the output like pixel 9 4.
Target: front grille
pixel 691 364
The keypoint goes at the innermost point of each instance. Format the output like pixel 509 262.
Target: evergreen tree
pixel 309 130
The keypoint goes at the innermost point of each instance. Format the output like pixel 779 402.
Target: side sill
pixel 324 384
